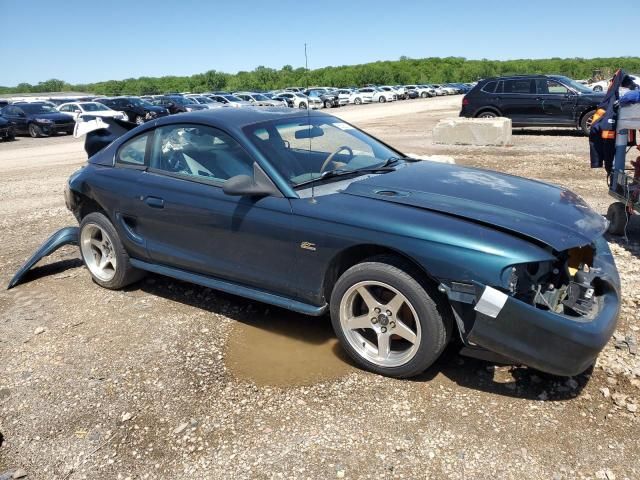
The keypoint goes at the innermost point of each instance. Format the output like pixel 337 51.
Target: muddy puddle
pixel 285 349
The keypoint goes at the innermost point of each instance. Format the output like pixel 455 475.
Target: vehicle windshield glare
pixel 304 148
pixel 259 97
pixel 231 98
pixel 572 83
pixel 94 107
pixel 38 108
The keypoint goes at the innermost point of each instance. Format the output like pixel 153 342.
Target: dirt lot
pixel 170 380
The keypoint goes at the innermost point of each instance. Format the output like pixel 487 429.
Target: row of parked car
pixel 48 117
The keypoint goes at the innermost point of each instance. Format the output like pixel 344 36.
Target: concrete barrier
pixel 473 131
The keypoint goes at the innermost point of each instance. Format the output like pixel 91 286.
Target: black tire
pixel 585 122
pixel 139 120
pixel 70 132
pixel 357 101
pixel 487 114
pixel 434 314
pixel 598 88
pixel 382 99
pixel 34 130
pixel 618 218
pixel 327 104
pixel 125 274
pixel 302 106
pixel 424 95
pixel 11 135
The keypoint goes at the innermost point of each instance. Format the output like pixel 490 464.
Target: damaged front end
pixel 555 316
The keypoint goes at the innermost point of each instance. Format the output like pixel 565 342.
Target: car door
pixel 191 224
pixel 558 101
pixel 518 100
pixel 18 117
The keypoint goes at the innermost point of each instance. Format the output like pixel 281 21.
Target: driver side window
pixel 198 152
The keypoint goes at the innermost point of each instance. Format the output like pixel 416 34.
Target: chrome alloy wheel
pixel 380 323
pixel 98 252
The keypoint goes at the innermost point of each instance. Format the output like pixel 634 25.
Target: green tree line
pixel 403 71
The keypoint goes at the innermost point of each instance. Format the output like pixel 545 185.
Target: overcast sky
pixel 88 41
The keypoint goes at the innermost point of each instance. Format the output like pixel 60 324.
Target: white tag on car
pixel 491 302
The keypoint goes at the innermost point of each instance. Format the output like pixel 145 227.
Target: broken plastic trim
pixel 64 236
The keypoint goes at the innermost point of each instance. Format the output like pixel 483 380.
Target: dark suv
pixel 138 111
pixel 533 100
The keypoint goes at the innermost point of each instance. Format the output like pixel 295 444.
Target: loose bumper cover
pixel 548 341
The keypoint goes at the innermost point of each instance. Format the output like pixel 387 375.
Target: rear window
pixel 517 86
pixel 490 87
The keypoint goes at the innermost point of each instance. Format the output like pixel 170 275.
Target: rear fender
pixel 64 236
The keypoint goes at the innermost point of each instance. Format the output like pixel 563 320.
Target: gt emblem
pixel 308 246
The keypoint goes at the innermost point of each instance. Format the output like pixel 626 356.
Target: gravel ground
pixel 170 380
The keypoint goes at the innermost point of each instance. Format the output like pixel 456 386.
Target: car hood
pixel 542 212
pixel 52 116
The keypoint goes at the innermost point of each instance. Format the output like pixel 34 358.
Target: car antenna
pixel 306 80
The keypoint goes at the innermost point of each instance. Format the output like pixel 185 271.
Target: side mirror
pixel 258 185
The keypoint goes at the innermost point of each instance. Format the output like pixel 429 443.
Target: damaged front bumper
pixel 551 342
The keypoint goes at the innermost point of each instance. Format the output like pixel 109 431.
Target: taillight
pixel 465 101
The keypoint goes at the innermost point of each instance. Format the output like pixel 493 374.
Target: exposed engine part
pixel 565 286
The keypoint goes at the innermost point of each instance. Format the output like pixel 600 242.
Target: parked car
pixel 260 100
pixel 137 110
pixel 533 100
pixel 90 109
pixel 422 91
pixel 178 104
pixel 37 119
pixel 370 94
pixel 412 94
pixel 204 101
pixel 299 100
pixel 511 266
pixel 343 96
pixel 4 103
pixel 230 100
pixel 393 90
pixel 7 129
pixel 603 85
pixel 328 99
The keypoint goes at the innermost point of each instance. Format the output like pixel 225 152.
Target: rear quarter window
pixel 489 87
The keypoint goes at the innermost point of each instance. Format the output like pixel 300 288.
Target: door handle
pixel 154 202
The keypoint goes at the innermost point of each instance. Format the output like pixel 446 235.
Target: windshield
pixel 38 108
pixel 232 98
pixel 301 149
pixel 259 97
pixel 204 100
pixel 573 84
pixel 94 107
pixel 180 100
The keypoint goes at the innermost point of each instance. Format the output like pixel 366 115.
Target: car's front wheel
pixel 103 253
pixel 139 120
pixel 597 88
pixel 388 321
pixel 302 105
pixel 357 101
pixel 35 131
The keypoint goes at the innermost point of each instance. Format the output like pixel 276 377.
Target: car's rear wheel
pixel 586 122
pixel 487 114
pixel 103 253
pixel 387 320
pixel 382 99
pixel 424 94
pixel 618 218
pixel 35 131
pixel 357 101
pixel 327 104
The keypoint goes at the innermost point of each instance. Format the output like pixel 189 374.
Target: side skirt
pixel 233 288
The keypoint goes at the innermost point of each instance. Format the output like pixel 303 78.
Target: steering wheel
pixel 330 157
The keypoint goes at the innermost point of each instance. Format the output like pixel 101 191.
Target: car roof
pixel 238 118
